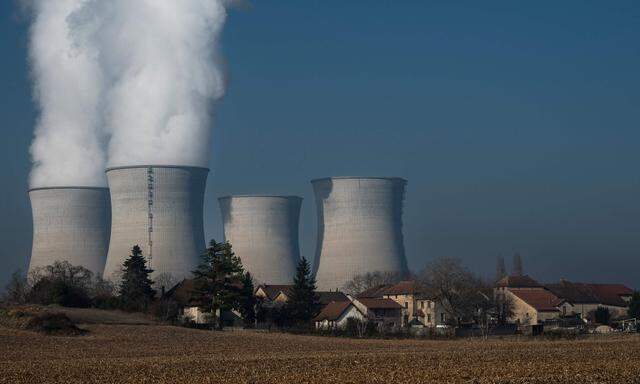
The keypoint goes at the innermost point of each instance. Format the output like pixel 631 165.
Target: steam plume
pixel 161 63
pixel 67 148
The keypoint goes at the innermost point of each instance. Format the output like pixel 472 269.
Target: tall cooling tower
pixel 263 231
pixel 70 224
pixel 159 208
pixel 359 228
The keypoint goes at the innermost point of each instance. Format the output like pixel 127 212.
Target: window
pixel 442 319
pixel 428 317
pixel 406 304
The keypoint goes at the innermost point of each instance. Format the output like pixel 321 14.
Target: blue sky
pixel 517 125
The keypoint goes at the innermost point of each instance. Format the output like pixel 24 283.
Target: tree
pixel 136 289
pixel 17 289
pixel 248 301
pixel 517 265
pixel 361 283
pixel 60 283
pixel 634 305
pixel 218 281
pixel 602 315
pixel 303 304
pixel 461 293
pixel 501 270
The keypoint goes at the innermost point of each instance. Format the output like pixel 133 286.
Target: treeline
pixel 219 285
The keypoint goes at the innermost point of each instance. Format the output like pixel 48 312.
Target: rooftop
pixel 539 298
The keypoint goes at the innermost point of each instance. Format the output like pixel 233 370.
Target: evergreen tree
pixel 218 281
pixel 136 289
pixel 634 306
pixel 517 265
pixel 303 304
pixel 248 301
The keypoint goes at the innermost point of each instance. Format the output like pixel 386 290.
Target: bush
pixel 360 328
pixel 53 324
pixel 49 291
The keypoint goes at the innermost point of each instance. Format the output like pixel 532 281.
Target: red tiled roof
pixel 325 297
pixel 610 294
pixel 518 282
pixel 539 298
pixel 379 303
pixel 606 294
pixel 333 310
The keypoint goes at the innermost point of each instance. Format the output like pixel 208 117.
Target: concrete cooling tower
pixel 70 224
pixel 359 228
pixel 159 208
pixel 263 231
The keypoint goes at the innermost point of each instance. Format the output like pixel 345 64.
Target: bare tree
pixel 164 282
pixel 501 270
pixel 517 265
pixel 369 280
pixel 459 292
pixel 17 289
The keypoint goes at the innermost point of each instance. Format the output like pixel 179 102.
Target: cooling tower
pixel 263 231
pixel 70 224
pixel 359 228
pixel 160 209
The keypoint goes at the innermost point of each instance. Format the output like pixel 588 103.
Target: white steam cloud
pixel 123 82
pixel 67 149
pixel 162 64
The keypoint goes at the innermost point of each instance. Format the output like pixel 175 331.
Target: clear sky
pixel 517 125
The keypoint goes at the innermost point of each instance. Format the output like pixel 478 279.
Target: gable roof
pixel 326 297
pixel 538 298
pixel 524 281
pixel 574 293
pixel 273 290
pixel 333 310
pixel 581 293
pixel 379 303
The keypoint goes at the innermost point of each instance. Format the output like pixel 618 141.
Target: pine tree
pixel 303 304
pixel 517 265
pixel 218 281
pixel 136 289
pixel 248 301
pixel 501 270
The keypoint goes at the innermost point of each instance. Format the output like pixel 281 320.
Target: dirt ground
pixel 163 354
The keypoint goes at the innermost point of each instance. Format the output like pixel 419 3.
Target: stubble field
pixel 165 354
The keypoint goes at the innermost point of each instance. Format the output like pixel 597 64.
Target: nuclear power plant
pixel 359 228
pixel 70 224
pixel 159 208
pixel 263 231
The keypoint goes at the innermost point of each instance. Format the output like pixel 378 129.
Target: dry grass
pixel 163 354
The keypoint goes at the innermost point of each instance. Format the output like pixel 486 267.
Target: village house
pixel 336 314
pixel 385 313
pixel 532 303
pixel 280 294
pixel 581 299
pixel 420 309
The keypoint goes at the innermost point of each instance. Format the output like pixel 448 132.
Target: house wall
pixel 523 313
pixel 196 315
pixel 341 322
pixel 407 301
pixel 583 309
